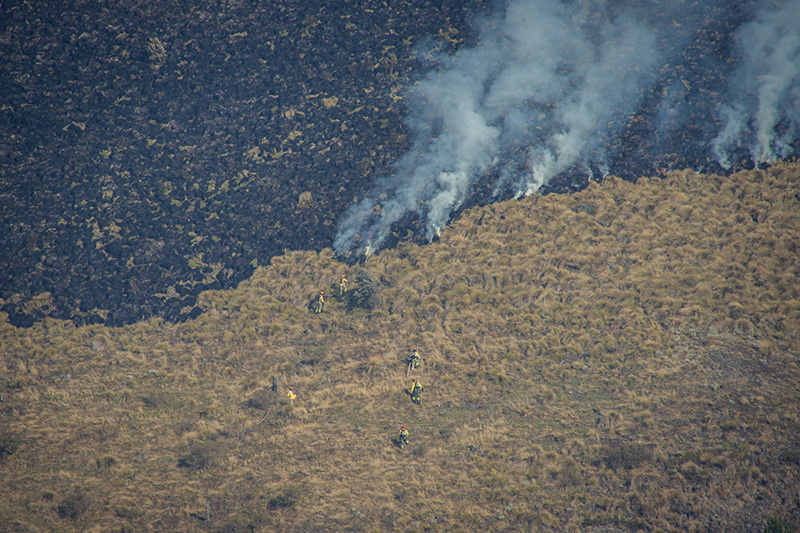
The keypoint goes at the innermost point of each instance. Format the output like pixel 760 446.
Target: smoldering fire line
pixel 589 87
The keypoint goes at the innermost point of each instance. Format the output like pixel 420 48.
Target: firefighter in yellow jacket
pixel 403 438
pixel 413 361
pixel 416 392
pixel 320 302
pixel 291 395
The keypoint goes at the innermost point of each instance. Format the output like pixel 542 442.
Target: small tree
pixel 366 290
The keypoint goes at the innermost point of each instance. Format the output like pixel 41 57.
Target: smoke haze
pixel 558 88
pixel 763 108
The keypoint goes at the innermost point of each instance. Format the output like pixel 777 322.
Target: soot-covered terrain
pixel 555 93
pixel 153 150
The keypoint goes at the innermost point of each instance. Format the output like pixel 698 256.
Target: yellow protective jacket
pixel 415 387
pixel 291 395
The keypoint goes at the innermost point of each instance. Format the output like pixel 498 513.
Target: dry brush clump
pixel 603 359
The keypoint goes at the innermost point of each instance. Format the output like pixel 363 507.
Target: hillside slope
pixel 620 359
pixel 164 145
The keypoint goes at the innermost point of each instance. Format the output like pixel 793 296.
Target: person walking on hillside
pixel 416 392
pixel 343 285
pixel 320 302
pixel 415 359
pixel 291 395
pixel 403 438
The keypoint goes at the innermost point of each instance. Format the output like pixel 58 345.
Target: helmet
pixel 290 388
pixel 404 427
pixel 322 292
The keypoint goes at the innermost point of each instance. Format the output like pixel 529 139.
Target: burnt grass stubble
pixel 133 181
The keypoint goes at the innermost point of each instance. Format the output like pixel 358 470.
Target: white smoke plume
pixel 550 84
pixel 763 113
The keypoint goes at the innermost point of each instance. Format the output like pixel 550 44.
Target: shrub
pixel 107 461
pixel 776 524
pixel 74 505
pixel 365 294
pixel 8 444
pixel 285 499
pixel 129 513
pixel 570 473
pixel 628 455
pixel 199 457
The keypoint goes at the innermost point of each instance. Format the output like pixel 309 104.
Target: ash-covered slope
pixel 152 150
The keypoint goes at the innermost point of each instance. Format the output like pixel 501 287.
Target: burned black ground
pixel 151 151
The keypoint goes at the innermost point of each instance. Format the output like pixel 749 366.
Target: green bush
pixel 365 294
pixel 777 524
pixel 8 444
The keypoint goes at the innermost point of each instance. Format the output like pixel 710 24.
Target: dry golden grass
pixel 621 358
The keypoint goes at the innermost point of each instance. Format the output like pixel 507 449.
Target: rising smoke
pixel 556 87
pixel 763 108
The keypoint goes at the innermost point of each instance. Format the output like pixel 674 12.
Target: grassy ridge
pixel 623 358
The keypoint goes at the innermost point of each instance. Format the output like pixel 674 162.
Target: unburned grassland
pixel 621 359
